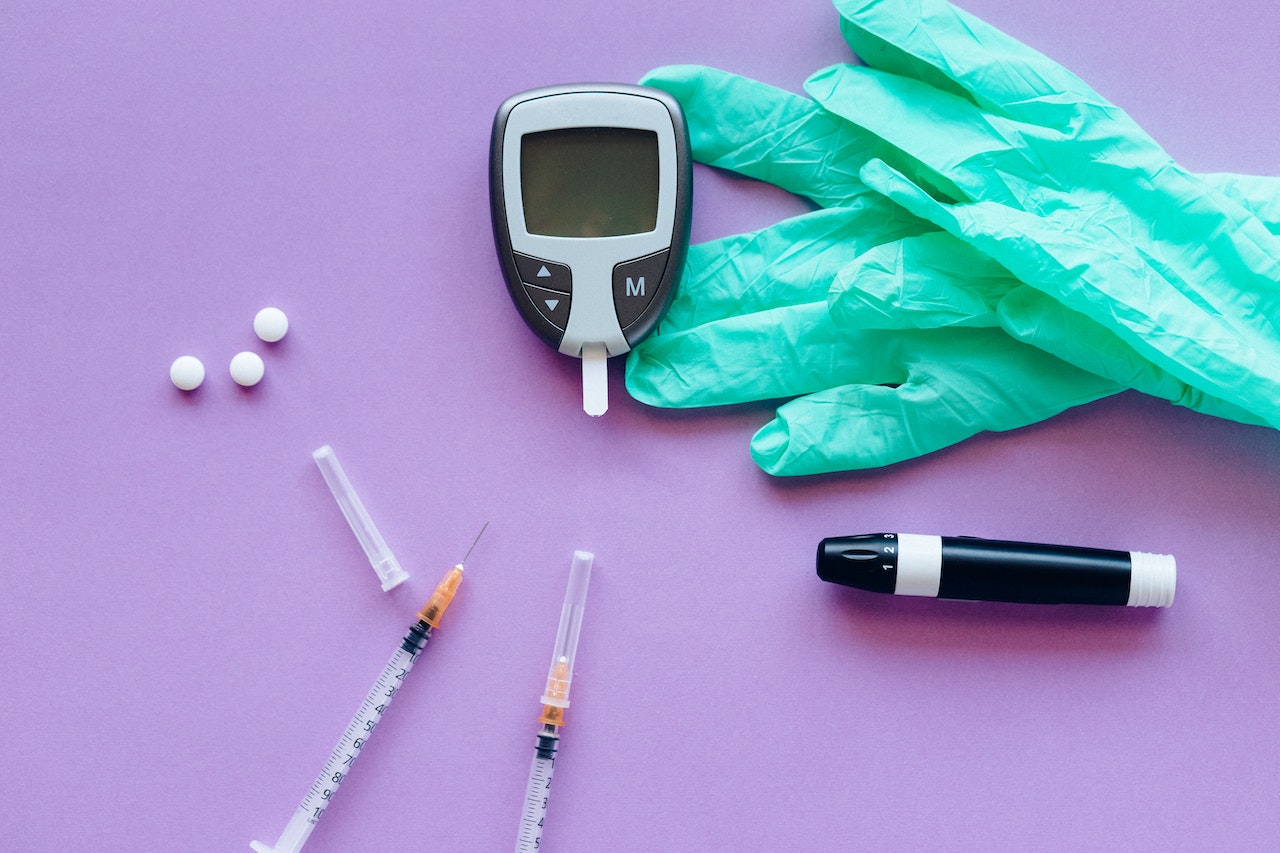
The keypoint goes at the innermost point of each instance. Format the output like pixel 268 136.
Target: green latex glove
pixel 749 323
pixel 1017 157
pixel 741 329
pixel 901 284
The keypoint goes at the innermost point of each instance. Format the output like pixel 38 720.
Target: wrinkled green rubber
pixel 1065 191
pixel 890 337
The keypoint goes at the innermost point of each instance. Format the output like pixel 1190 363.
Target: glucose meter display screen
pixel 589 181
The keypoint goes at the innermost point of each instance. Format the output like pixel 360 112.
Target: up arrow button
pixel 543 273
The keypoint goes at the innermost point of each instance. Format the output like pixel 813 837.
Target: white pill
pixel 247 368
pixel 187 372
pixel 270 324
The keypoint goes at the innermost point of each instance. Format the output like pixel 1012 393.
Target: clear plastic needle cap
pixel 375 547
pixel 566 648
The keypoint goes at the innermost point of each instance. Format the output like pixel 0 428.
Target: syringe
pixel 554 702
pixel 361 727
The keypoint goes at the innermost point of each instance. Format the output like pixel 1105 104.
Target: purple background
pixel 187 624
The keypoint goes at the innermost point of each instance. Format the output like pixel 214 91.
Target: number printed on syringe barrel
pixel 362 725
pixel 367 718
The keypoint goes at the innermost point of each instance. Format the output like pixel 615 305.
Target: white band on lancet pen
pixel 595 379
pixel 919 565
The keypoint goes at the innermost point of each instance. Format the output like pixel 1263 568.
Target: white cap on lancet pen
pixel 1153 579
pixel 375 547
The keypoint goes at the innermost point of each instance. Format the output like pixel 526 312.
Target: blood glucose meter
pixel 589 190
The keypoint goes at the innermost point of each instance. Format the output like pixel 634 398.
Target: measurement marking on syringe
pixel 356 735
pixel 374 704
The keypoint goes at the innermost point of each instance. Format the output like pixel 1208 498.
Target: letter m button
pixel 636 284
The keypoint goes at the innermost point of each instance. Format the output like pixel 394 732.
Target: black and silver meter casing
pixel 584 280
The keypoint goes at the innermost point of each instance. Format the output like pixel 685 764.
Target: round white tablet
pixel 187 372
pixel 247 368
pixel 270 324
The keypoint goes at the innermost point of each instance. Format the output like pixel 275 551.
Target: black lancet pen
pixel 968 568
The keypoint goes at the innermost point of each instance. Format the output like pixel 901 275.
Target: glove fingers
pixel 855 427
pixel 946 47
pixel 766 133
pixel 1144 302
pixel 934 279
pixel 1260 195
pixel 1037 319
pixel 849 429
pixel 790 263
pixel 974 158
pixel 782 353
pixel 925 281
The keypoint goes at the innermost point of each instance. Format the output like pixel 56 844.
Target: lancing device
pixel 974 569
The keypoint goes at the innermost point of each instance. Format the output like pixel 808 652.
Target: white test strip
pixel 595 379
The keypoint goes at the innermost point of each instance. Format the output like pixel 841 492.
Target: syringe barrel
pixel 368 715
pixel 361 727
pixel 537 792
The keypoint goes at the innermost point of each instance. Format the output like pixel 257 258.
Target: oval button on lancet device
pixel 589 190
